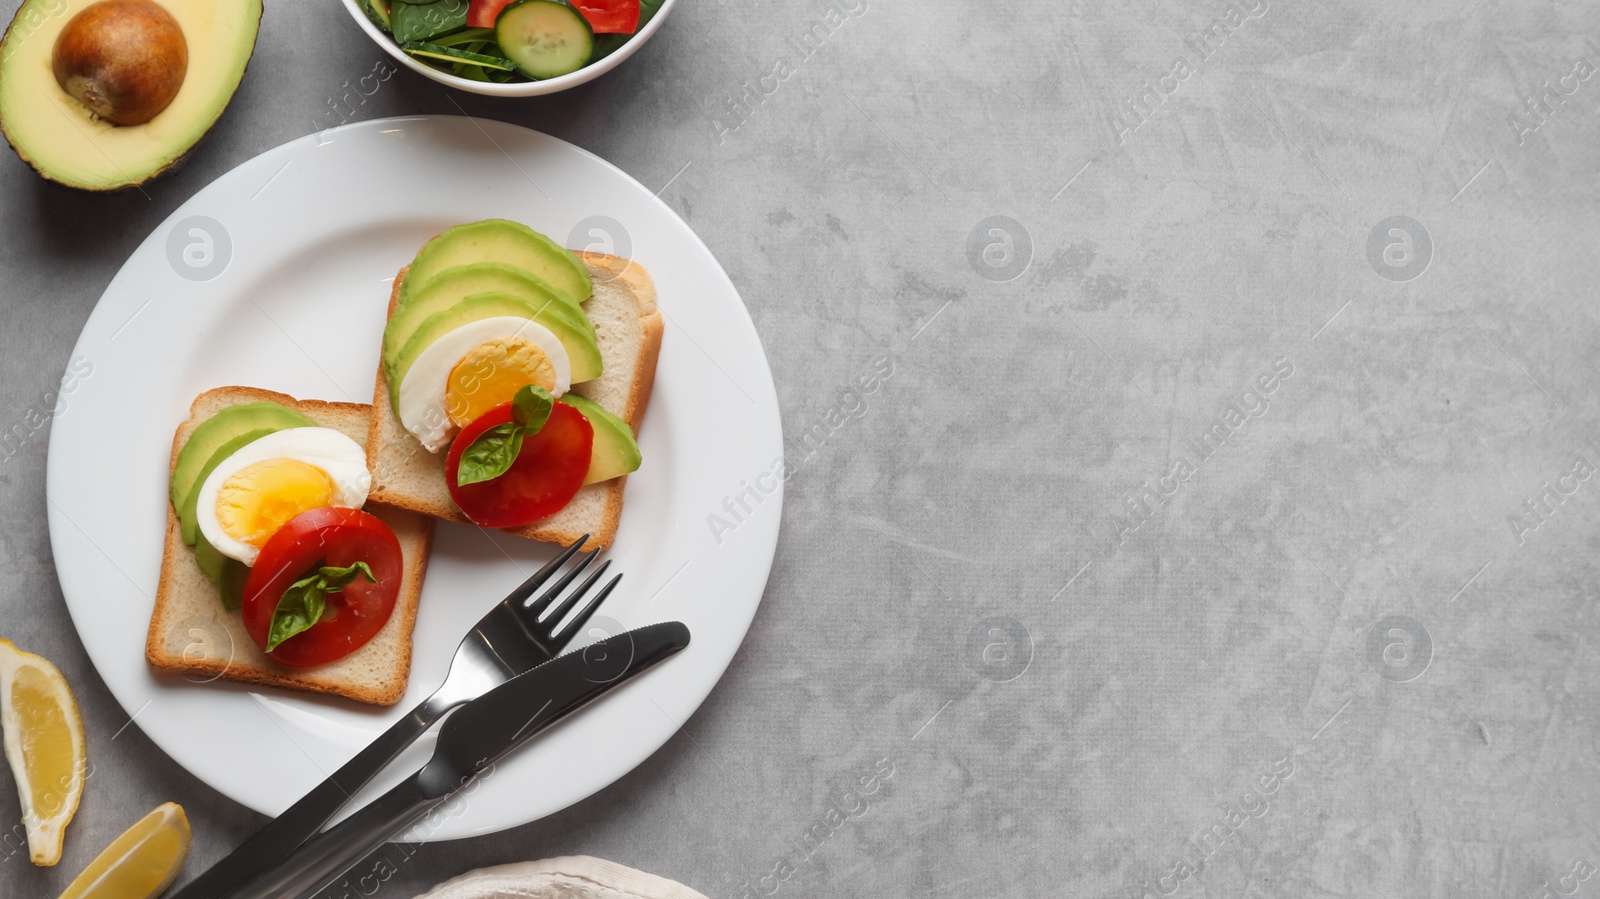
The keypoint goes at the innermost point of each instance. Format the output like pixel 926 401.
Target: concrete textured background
pixel 1347 653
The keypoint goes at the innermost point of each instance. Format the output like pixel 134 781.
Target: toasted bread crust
pixel 643 288
pixel 386 438
pixel 379 677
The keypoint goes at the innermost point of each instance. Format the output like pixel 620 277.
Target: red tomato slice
pixel 482 13
pixel 545 477
pixel 333 537
pixel 609 16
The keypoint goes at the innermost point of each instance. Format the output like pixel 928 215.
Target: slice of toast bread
pixel 628 328
pixel 191 634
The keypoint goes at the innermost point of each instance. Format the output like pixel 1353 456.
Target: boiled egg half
pixel 476 367
pixel 255 491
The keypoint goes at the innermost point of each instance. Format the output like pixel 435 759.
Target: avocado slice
pixel 210 560
pixel 615 451
pixel 64 142
pixel 230 584
pixel 214 440
pixel 456 283
pixel 229 575
pixel 499 240
pixel 577 340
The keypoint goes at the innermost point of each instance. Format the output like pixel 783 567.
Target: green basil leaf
pixel 491 455
pixel 496 450
pixel 301 606
pixel 306 600
pixel 336 579
pixel 531 408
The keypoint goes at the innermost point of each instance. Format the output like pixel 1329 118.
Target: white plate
pixel 300 245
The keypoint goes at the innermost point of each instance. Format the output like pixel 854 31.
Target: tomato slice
pixel 609 16
pixel 545 477
pixel 482 13
pixel 333 537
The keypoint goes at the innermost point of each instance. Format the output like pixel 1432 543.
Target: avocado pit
pixel 122 59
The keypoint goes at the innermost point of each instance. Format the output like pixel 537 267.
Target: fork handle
pixel 284 834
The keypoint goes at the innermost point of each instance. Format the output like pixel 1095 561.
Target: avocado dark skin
pixel 123 59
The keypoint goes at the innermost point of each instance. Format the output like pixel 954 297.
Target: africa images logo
pixel 1399 248
pixel 199 248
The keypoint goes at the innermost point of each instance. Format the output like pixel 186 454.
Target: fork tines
pixel 543 611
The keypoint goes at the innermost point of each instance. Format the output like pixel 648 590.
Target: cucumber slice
pixel 452 54
pixel 425 21
pixel 545 38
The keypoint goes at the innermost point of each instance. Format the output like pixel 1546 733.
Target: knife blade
pixel 471 740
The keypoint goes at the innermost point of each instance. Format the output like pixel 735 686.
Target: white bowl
pixel 515 89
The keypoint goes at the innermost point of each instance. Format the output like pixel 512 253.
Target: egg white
pixel 422 392
pixel 344 461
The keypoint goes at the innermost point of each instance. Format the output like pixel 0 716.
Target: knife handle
pixel 326 856
pixel 280 837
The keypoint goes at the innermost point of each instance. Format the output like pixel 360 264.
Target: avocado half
pixel 64 142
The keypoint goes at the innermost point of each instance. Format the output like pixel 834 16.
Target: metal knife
pixel 472 739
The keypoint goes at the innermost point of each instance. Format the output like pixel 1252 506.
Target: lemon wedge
pixel 141 863
pixel 44 744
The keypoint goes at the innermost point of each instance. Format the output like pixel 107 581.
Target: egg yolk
pixel 259 499
pixel 491 374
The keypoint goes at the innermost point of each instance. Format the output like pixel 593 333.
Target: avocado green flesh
pixel 499 240
pixel 615 451
pixel 214 440
pixel 227 574
pixel 230 586
pixel 66 143
pixel 578 341
pixel 448 288
pixel 210 560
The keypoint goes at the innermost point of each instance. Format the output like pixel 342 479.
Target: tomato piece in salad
pixel 318 539
pixel 610 16
pixel 482 13
pixel 546 475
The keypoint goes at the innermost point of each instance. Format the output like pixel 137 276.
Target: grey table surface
pixel 1225 526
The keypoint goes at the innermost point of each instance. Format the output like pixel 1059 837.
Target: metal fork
pixel 515 636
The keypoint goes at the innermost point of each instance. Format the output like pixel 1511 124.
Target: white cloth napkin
pixel 568 877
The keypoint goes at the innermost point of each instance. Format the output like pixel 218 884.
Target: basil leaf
pixel 496 450
pixel 491 455
pixel 336 579
pixel 306 600
pixel 301 606
pixel 531 408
